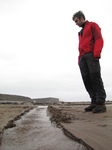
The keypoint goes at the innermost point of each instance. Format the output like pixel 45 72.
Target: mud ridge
pixel 70 135
pixel 57 115
pixel 11 123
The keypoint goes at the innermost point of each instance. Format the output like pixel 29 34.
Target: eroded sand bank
pixel 10 113
pixel 92 130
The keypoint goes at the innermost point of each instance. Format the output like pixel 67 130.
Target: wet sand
pixel 11 112
pixel 92 130
pixel 34 131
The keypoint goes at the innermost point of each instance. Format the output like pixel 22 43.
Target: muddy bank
pixel 34 131
pixel 11 113
pixel 60 114
pixel 92 130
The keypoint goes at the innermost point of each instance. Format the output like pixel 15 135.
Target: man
pixel 90 47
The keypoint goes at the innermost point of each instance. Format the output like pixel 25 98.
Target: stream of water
pixel 34 131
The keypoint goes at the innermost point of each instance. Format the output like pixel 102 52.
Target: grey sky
pixel 39 47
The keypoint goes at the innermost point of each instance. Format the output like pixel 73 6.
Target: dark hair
pixel 78 14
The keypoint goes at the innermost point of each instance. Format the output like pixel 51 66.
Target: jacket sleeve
pixel 97 36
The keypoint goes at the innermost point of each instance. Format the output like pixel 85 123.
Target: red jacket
pixel 91 40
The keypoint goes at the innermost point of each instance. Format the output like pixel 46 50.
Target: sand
pixel 92 130
pixel 11 112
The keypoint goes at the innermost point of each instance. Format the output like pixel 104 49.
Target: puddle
pixel 34 131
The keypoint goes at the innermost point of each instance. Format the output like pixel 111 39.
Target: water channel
pixel 34 131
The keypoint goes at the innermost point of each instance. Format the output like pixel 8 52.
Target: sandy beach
pixel 92 130
pixel 9 113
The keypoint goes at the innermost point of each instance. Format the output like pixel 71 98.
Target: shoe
pixel 90 108
pixel 99 109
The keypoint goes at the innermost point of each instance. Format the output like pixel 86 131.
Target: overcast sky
pixel 39 47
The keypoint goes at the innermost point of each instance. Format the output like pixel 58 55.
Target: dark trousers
pixel 91 75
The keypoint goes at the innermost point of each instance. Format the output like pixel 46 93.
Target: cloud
pixel 39 47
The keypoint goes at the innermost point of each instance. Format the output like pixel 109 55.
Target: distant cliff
pixel 46 100
pixel 7 97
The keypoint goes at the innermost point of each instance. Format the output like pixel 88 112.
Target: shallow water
pixel 34 131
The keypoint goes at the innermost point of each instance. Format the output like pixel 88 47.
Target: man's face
pixel 78 21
